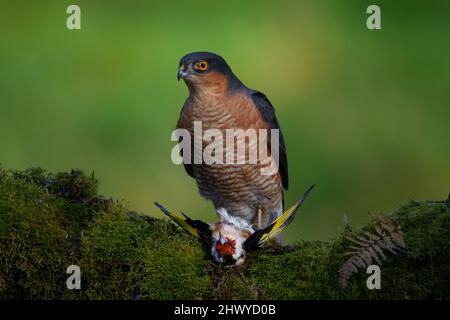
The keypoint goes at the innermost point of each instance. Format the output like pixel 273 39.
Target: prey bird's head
pixel 232 238
pixel 206 71
pixel 229 237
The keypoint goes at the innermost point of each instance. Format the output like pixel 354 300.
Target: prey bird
pixel 221 101
pixel 231 239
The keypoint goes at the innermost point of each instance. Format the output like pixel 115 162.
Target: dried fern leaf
pixel 371 247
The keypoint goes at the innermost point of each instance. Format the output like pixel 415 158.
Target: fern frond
pixel 371 246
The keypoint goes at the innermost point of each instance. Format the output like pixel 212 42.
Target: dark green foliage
pixel 48 222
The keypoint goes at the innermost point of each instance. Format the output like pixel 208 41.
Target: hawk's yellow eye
pixel 201 65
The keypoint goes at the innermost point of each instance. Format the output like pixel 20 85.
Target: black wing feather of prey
pixel 203 228
pixel 252 243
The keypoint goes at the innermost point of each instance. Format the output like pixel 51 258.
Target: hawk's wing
pixel 189 167
pixel 268 114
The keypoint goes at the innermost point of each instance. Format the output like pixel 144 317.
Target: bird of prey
pixel 231 239
pixel 221 101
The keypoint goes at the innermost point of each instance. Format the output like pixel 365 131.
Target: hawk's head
pixel 205 71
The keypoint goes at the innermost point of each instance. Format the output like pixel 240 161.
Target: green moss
pixel 233 283
pixel 422 273
pixel 298 272
pixel 32 241
pixel 308 270
pixel 175 266
pixel 50 221
pixel 130 256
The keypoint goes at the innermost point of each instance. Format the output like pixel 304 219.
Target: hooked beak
pixel 182 72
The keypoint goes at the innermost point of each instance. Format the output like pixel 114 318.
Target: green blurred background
pixel 365 113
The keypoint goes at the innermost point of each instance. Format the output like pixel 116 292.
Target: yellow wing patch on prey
pixel 179 220
pixel 285 219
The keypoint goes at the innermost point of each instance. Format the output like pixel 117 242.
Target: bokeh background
pixel 365 114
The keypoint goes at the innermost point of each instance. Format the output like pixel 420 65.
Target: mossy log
pixel 51 221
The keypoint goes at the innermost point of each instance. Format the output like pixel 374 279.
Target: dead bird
pixel 233 237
